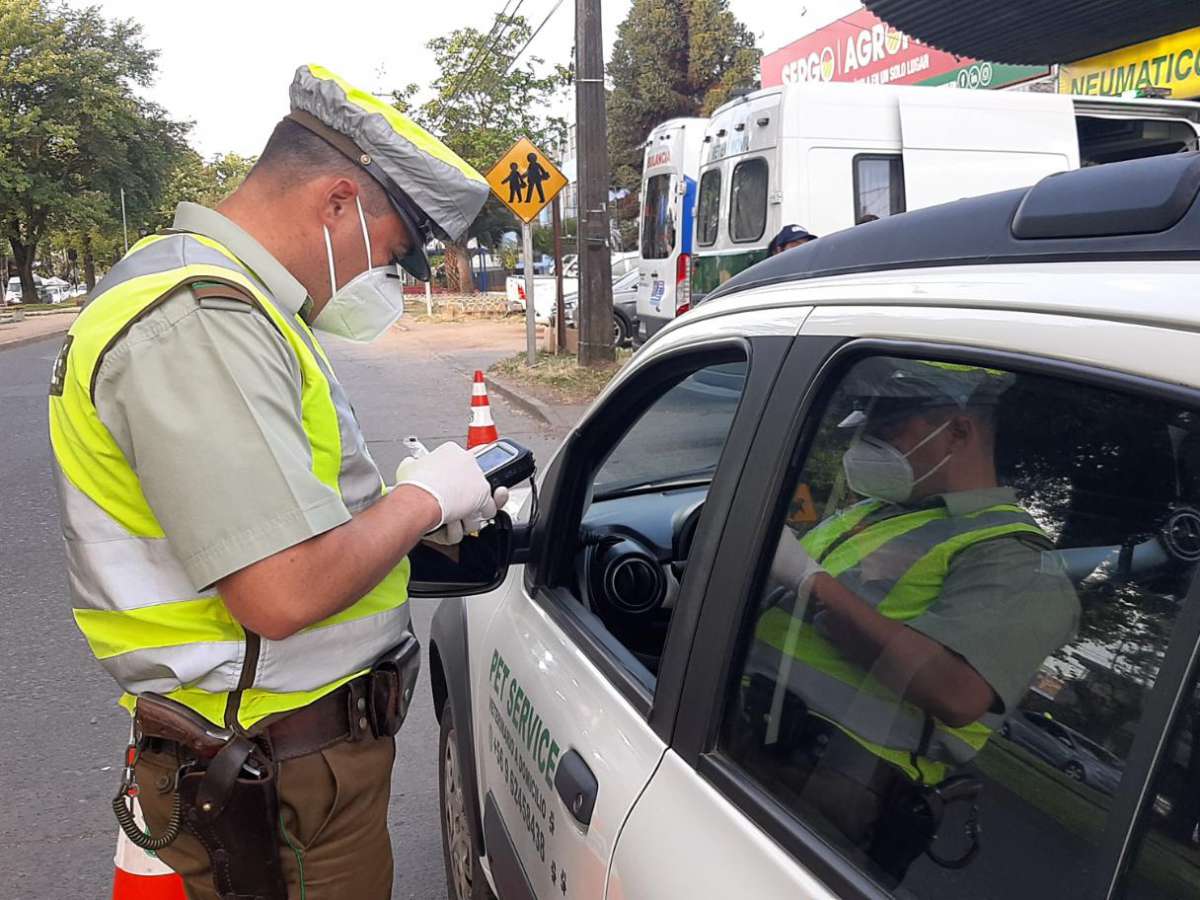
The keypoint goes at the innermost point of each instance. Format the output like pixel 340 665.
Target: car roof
pixel 1137 210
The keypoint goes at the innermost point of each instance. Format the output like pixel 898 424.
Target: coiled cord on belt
pixel 140 838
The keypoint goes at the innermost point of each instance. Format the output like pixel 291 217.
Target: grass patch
pixel 560 379
pixel 40 307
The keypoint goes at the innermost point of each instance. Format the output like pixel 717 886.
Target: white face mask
pixel 874 468
pixel 363 308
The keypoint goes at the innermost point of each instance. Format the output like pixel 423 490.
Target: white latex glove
pixel 452 477
pixel 792 566
pixel 453 532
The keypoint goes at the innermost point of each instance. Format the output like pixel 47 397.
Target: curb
pixel 33 338
pixel 524 402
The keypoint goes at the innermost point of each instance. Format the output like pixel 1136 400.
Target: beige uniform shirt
pixel 203 397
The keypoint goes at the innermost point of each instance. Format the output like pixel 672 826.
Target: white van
pixel 669 173
pixel 825 156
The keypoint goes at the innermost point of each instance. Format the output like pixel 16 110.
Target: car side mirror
pixel 477 564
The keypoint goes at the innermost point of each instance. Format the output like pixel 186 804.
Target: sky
pixel 226 65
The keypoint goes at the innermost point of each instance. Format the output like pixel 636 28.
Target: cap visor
pixel 416 263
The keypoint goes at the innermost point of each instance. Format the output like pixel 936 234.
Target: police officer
pixel 915 619
pixel 231 545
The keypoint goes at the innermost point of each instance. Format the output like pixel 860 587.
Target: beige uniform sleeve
pixel 1005 606
pixel 203 397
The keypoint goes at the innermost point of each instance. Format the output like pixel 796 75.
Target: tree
pixel 671 58
pixel 72 131
pixel 483 103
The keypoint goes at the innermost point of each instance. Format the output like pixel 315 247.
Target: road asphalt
pixel 61 733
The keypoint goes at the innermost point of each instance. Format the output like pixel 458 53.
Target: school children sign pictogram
pixel 525 180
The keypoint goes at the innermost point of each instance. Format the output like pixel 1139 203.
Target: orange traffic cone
pixel 482 429
pixel 140 875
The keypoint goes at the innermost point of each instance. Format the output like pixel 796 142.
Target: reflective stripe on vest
pixel 897 565
pixel 133 601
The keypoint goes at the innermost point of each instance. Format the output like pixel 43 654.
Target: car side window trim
pixel 565 489
pixel 779 455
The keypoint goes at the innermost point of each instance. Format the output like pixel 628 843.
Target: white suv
pixel 791 574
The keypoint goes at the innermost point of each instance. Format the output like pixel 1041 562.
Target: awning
pixel 1034 32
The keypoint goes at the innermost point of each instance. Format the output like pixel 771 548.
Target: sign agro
pixel 525 180
pixel 861 47
pixel 1171 62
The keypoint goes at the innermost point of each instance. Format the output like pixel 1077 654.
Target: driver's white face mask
pixel 874 468
pixel 364 307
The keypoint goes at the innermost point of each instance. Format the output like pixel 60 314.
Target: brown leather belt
pixel 341 715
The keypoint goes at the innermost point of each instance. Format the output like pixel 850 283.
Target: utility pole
pixel 595 312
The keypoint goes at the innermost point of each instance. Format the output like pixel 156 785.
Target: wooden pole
pixel 594 314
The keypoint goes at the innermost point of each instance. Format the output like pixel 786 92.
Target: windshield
pixel 658 219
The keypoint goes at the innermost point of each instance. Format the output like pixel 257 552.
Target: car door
pixel 1101 459
pixel 581 661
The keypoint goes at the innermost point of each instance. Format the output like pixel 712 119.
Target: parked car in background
pixel 1065 748
pixel 625 291
pixel 544 285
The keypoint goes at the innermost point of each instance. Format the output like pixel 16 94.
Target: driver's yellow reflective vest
pixel 898 565
pixel 142 617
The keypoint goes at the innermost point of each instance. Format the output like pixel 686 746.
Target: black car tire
pixel 622 329
pixel 464 875
pixel 1075 770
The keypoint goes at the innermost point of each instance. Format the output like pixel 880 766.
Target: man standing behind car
pixel 235 561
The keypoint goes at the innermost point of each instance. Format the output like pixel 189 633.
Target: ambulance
pixel 828 156
pixel 669 173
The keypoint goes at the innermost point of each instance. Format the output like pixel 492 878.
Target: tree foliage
pixel 481 104
pixel 72 131
pixel 672 58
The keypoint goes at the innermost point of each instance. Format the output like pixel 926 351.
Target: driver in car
pixel 902 630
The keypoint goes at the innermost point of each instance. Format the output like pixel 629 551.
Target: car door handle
pixel 577 786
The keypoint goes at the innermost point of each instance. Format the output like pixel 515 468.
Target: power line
pixel 537 31
pixel 482 50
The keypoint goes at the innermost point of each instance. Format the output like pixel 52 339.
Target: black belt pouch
pixel 241 835
pixel 393 680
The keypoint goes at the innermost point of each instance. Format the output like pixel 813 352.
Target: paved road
pixel 61 733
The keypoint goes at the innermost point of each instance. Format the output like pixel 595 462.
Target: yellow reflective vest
pixel 911 552
pixel 142 617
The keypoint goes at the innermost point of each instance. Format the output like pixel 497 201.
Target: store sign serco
pixel 862 47
pixel 1171 62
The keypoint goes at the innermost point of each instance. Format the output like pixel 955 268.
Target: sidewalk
pixel 34 328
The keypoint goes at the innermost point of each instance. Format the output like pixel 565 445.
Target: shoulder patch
pixel 220 295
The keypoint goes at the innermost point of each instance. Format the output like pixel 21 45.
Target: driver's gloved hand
pixel 792 566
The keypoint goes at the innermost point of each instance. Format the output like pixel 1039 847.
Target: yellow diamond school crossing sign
pixel 525 180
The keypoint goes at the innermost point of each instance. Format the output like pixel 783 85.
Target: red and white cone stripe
pixel 482 429
pixel 139 875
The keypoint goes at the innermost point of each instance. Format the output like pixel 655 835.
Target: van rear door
pixel 960 143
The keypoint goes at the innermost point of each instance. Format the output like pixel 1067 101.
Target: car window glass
pixel 709 208
pixel 644 496
pixel 878 186
pixel 748 200
pixel 999 578
pixel 1166 861
pixel 680 436
pixel 658 218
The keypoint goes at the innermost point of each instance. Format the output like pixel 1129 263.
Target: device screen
pixel 494 457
